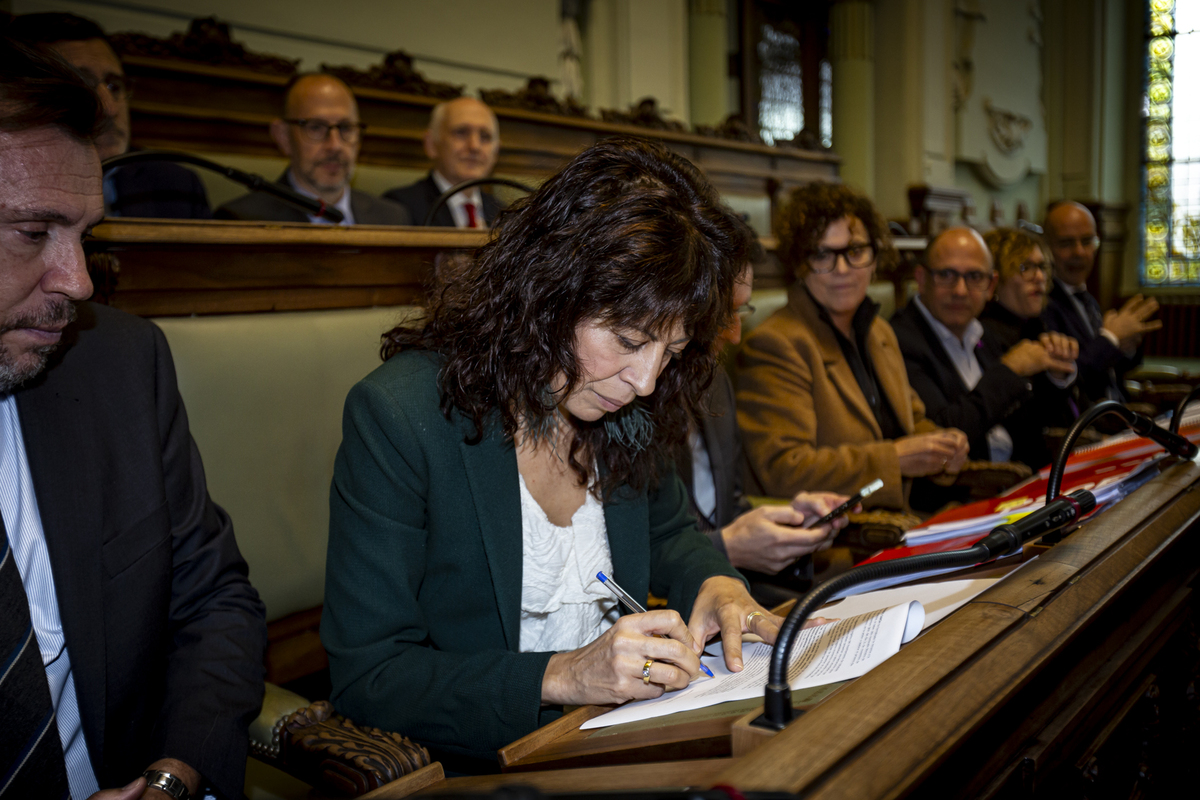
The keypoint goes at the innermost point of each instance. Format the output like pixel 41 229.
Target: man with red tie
pixel 463 140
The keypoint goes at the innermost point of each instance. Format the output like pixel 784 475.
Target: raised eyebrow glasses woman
pixel 515 446
pixel 823 399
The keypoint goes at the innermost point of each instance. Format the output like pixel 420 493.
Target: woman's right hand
pixel 930 453
pixel 609 670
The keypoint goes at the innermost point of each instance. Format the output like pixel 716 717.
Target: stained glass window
pixel 1171 177
pixel 781 107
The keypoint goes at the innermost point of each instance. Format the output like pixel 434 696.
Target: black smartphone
pixel 868 490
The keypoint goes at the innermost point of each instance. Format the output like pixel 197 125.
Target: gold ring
pixel 751 616
pixel 646 671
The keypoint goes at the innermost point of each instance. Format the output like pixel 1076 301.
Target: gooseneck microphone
pixel 1142 425
pixel 1061 512
pixel 312 207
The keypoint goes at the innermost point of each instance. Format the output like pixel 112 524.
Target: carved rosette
pixel 535 96
pixel 395 74
pixel 337 756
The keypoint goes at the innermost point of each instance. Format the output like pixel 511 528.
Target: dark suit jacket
pixel 165 633
pixel 423 578
pixel 947 400
pixel 1101 364
pixel 367 210
pixel 723 442
pixel 419 197
pixel 158 189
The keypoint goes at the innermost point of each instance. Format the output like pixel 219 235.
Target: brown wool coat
pixel 805 422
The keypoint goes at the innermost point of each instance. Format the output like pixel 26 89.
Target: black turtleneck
pixel 858 356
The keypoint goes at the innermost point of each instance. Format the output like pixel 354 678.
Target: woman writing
pixel 823 399
pixel 514 446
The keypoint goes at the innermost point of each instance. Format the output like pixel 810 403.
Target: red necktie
pixel 472 220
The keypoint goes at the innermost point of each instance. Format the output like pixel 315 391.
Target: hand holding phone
pixel 845 507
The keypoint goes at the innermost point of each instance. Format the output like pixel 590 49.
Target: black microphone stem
pixel 258 183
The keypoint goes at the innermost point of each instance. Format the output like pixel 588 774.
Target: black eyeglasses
pixel 1086 242
pixel 316 130
pixel 949 278
pixel 858 255
pixel 1029 269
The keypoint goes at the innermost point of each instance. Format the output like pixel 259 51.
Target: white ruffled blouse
pixel 563 605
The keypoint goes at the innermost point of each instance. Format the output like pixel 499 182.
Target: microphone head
pixel 1085 500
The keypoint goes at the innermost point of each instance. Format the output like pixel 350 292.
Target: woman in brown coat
pixel 823 399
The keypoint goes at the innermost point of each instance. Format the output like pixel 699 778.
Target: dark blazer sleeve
pixel 370 210
pixel 946 398
pixel 1100 361
pixel 218 633
pixel 418 198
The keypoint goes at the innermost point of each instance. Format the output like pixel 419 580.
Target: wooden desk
pixel 1011 691
pixel 160 268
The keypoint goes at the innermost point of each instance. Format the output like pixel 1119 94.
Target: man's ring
pixel 646 671
pixel 751 616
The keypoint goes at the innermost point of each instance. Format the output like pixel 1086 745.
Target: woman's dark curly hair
pixel 811 210
pixel 627 234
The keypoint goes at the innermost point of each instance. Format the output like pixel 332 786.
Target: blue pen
pixel 634 606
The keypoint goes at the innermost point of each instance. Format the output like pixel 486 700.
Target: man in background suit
pixel 1108 342
pixel 462 141
pixel 149 189
pixel 320 134
pixel 760 541
pixel 131 638
pixel 964 380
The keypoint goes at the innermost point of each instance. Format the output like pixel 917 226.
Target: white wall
pixel 634 49
pixel 479 43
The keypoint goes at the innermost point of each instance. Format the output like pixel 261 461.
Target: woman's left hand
pixel 724 606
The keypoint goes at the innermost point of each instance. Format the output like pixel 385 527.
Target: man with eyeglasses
pixel 1109 342
pixel 964 379
pixel 320 134
pixel 151 189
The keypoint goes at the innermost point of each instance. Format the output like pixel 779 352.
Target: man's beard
pixel 13 371
pixel 341 161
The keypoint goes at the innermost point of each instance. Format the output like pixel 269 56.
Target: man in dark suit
pixel 132 639
pixel 462 141
pixel 149 189
pixel 962 377
pixel 320 134
pixel 760 541
pixel 1108 342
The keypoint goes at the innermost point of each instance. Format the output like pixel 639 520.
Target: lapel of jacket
pixel 889 369
pixel 836 366
pixel 626 518
pixel 443 218
pixel 491 467
pixel 66 465
pixel 946 369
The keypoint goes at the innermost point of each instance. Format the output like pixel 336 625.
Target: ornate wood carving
pixel 644 115
pixel 534 97
pixel 395 74
pixel 335 755
pixel 733 128
pixel 207 41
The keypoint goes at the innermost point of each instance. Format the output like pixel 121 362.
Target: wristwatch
pixel 167 783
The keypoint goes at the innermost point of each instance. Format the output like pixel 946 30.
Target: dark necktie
pixel 31 756
pixel 1092 309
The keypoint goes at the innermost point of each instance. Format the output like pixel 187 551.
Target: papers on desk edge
pixel 825 654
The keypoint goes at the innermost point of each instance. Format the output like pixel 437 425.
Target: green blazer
pixel 423 580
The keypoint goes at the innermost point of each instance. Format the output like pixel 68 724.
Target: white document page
pixel 829 653
pixel 938 599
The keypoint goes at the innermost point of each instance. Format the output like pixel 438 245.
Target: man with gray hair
pixel 462 141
